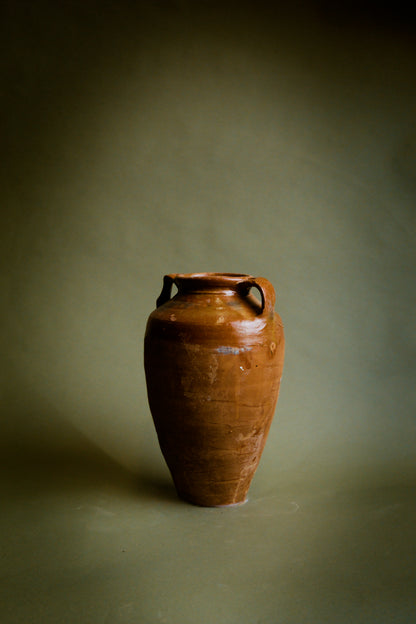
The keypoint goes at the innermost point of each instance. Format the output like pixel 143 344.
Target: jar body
pixel 213 364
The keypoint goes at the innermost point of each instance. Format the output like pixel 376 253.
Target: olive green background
pixel 145 138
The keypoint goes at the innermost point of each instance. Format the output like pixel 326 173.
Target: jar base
pixel 238 504
pixel 197 503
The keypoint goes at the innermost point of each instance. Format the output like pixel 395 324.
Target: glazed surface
pixel 213 361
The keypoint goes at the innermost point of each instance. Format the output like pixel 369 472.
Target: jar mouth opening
pixel 204 281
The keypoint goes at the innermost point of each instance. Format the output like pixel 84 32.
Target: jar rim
pixel 234 277
pixel 192 281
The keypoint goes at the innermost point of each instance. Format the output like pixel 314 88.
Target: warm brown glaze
pixel 213 362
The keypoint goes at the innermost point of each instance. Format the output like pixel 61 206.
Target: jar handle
pixel 166 290
pixel 267 292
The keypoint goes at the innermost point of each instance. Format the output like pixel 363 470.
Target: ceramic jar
pixel 213 362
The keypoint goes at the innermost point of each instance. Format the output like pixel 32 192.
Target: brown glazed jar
pixel 213 361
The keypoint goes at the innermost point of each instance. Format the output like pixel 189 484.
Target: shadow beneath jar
pixel 157 487
pixel 68 461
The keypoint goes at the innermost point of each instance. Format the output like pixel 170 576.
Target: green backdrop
pixel 154 137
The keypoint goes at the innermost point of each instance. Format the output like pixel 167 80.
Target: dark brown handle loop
pixel 166 290
pixel 268 295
